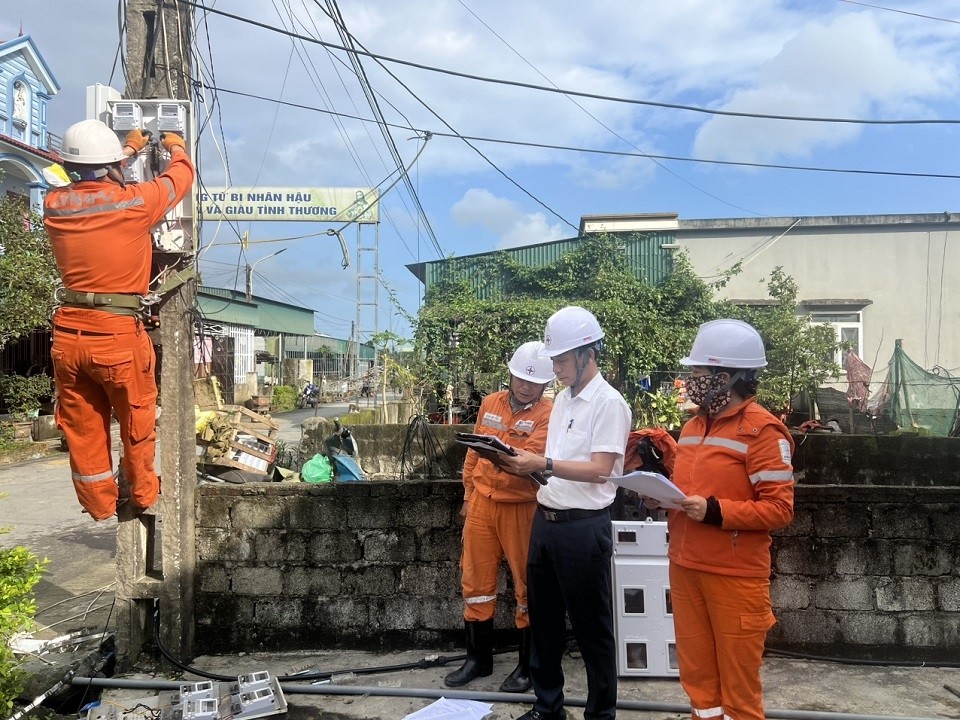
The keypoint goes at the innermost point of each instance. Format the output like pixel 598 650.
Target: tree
pixel 28 274
pixel 799 353
pixel 20 571
pixel 649 328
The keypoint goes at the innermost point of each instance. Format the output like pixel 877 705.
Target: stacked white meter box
pixel 251 696
pixel 156 116
pixel 646 644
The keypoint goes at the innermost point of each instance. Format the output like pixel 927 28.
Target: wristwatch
pixel 548 470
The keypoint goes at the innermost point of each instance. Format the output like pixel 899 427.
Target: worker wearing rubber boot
pixel 734 464
pixel 104 362
pixel 498 508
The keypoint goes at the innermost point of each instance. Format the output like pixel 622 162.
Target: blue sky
pixel 820 58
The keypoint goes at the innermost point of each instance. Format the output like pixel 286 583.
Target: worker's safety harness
pixel 115 303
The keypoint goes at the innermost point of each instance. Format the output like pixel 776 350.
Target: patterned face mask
pixel 698 387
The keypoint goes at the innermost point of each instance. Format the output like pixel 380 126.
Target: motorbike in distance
pixel 309 396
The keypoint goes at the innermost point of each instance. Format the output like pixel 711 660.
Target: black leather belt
pixel 74 331
pixel 568 515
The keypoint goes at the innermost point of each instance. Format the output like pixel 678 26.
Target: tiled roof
pixel 52 156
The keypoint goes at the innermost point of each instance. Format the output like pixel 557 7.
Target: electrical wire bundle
pixel 420 445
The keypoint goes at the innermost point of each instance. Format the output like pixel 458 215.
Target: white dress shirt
pixel 597 420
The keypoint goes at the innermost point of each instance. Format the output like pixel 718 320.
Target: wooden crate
pixel 261 403
pixel 253 445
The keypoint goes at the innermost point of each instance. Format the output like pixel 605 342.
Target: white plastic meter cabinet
pixel 157 116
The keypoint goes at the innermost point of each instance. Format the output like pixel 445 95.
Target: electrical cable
pixel 340 127
pixel 420 437
pixel 621 153
pixel 468 143
pixel 902 12
pixel 854 661
pixel 333 12
pixel 427 662
pixel 575 93
pixel 599 121
pixel 121 30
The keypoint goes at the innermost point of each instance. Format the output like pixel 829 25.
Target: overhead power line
pixel 600 122
pixel 487 160
pixel 333 12
pixel 598 151
pixel 577 93
pixel 902 12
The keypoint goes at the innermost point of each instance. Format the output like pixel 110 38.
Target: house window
pixel 847 328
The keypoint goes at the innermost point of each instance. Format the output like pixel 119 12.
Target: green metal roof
pixel 262 314
pixel 645 257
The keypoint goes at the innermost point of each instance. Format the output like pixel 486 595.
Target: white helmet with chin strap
pixel 530 363
pixel 91 142
pixel 728 344
pixel 570 328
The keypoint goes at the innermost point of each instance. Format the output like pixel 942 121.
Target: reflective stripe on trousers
pixel 491 531
pixel 98 375
pixel 721 623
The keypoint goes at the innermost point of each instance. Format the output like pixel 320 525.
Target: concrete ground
pixel 77 592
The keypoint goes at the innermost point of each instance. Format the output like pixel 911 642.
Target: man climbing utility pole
pixel 157 65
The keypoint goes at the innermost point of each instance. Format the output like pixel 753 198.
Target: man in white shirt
pixel 568 567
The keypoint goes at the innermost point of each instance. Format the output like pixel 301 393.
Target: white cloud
pixel 504 219
pixel 848 67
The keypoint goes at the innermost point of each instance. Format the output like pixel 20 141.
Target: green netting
pixel 921 399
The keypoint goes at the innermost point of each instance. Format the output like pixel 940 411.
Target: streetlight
pixel 250 270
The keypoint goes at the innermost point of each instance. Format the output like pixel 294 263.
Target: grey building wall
pixel 867 569
pixel 906 266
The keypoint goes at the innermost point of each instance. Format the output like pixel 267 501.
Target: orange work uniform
pixel 500 507
pixel 720 575
pixel 100 235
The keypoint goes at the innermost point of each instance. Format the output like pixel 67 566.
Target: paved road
pixel 42 513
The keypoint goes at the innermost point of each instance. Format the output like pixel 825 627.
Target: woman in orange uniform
pixel 734 465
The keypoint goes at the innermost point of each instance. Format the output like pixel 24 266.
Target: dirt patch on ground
pixel 18 452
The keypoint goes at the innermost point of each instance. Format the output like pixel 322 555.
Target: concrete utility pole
pixel 154 567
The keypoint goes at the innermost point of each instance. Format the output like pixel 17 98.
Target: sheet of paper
pixel 445 709
pixel 651 485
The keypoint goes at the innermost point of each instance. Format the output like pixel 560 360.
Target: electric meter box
pixel 171 117
pixel 643 610
pixel 156 116
pixel 126 116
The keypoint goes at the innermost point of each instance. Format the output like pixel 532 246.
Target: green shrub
pixel 20 571
pixel 22 394
pixel 284 398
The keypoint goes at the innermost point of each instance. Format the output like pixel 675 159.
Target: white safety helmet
pixel 529 363
pixel 727 343
pixel 90 142
pixel 568 328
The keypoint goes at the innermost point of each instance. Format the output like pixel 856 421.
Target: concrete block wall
pixel 292 565
pixel 868 569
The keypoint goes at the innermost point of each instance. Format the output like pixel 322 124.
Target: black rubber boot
pixel 479 654
pixel 519 680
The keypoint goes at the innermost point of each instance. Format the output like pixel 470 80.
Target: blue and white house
pixel 26 147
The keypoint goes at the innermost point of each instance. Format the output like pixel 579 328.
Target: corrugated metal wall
pixel 645 257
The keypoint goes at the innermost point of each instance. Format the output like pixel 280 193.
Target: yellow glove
pixel 137 140
pixel 171 140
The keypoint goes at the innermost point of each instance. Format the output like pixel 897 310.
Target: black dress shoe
pixel 537 715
